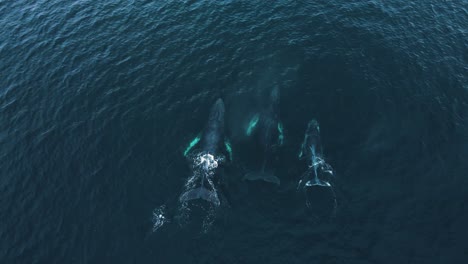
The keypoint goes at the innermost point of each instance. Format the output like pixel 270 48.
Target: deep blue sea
pixel 99 99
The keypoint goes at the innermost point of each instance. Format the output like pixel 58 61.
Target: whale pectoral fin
pixel 192 144
pixel 252 125
pixel 227 144
pixel 280 133
pixel 302 153
pixel 303 150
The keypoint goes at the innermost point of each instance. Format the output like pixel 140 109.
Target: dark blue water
pixel 98 100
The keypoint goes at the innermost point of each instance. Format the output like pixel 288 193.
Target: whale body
pixel 319 174
pixel 318 171
pixel 268 129
pixel 205 161
pixel 214 130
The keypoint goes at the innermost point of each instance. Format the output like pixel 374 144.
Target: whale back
pixel 214 130
pixel 311 145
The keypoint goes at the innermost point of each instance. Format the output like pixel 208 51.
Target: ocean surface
pixel 99 99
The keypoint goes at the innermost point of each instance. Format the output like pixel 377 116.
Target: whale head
pixel 217 110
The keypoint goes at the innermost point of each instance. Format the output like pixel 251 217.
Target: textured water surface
pixel 98 100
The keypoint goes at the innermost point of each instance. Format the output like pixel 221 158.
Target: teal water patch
pixel 252 124
pixel 192 144
pixel 228 148
pixel 281 134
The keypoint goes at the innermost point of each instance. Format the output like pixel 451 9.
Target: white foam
pixel 159 217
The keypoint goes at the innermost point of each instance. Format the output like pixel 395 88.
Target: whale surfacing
pixel 319 173
pixel 204 161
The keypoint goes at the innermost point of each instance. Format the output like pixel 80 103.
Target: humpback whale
pixel 204 161
pixel 268 129
pixel 319 173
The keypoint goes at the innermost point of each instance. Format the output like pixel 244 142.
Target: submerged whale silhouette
pixel 269 130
